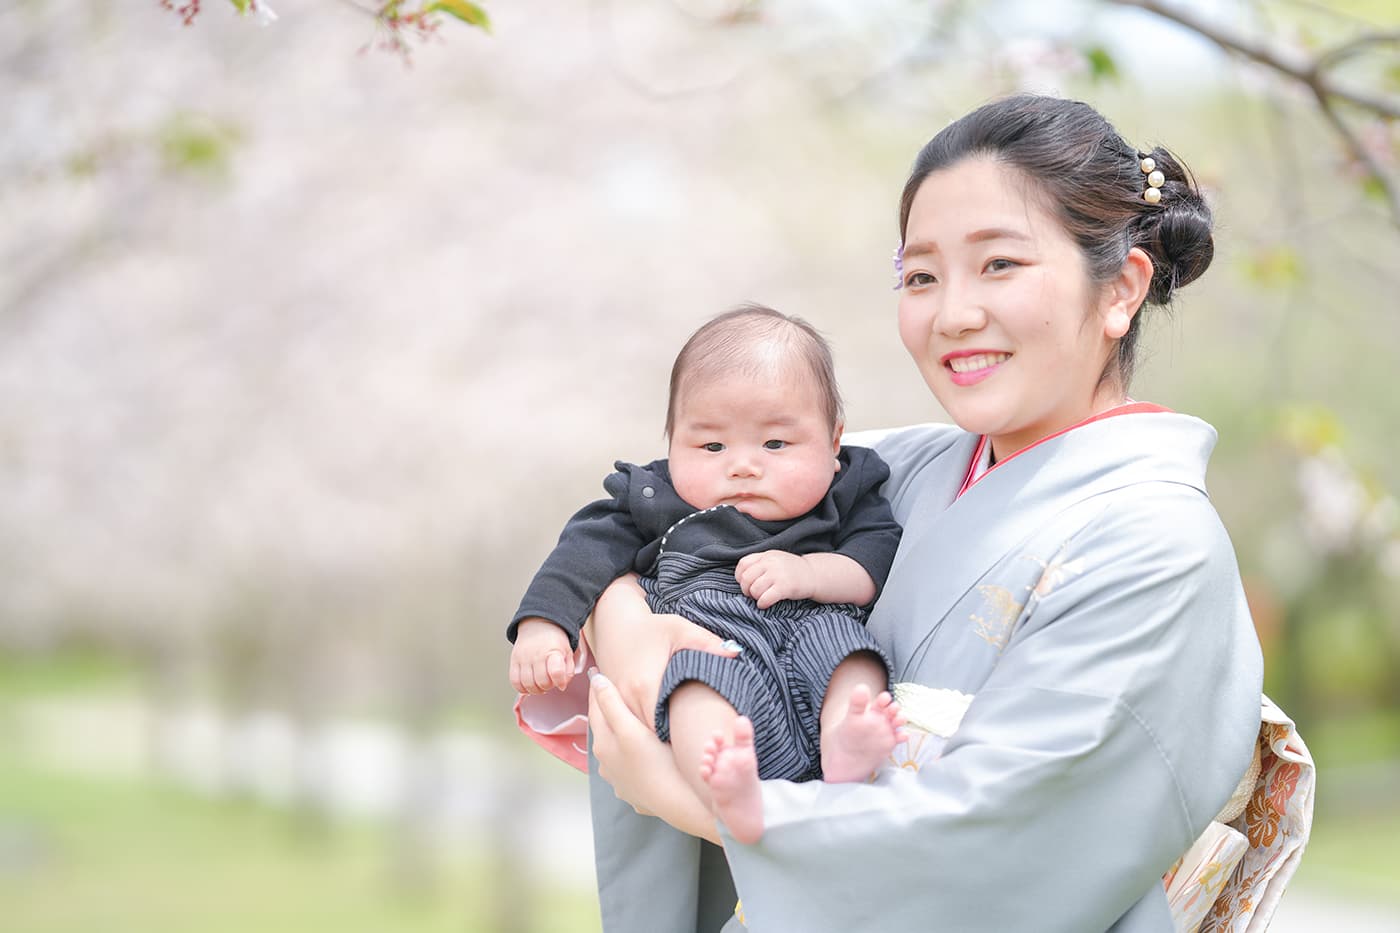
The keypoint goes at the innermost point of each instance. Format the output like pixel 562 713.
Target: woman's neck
pixel 1003 448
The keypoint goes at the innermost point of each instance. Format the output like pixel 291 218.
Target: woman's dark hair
pixel 1093 182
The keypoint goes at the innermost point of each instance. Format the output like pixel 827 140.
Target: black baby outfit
pixel 686 558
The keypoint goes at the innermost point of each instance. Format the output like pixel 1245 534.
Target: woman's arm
pixel 640 767
pixel 632 646
pixel 1115 724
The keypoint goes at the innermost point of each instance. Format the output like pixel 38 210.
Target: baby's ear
pixel 836 444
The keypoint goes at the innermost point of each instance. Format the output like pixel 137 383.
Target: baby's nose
pixel 744 465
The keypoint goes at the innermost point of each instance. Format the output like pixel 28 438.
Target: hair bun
pixel 1176 233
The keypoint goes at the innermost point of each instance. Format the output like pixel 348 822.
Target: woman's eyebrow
pixel 997 233
pixel 927 247
pixel 918 248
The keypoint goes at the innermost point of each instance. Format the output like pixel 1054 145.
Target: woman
pixel 1061 563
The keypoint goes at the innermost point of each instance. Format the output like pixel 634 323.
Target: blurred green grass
pixel 80 854
pixel 68 671
pixel 1352 852
pixel 1354 855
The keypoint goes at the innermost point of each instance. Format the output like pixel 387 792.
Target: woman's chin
pixel 974 419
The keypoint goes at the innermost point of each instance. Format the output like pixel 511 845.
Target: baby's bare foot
pixel 730 769
pixel 864 737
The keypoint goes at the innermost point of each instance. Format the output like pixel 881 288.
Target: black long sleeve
pixel 623 532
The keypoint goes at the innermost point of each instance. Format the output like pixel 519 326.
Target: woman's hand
pixel 632 645
pixel 639 766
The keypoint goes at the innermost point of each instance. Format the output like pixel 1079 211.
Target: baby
pixel 761 528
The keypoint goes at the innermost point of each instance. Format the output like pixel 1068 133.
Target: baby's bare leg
pixel 858 732
pixel 713 746
pixel 730 767
pixel 698 714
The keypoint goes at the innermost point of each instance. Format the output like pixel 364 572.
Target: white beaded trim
pixel 667 535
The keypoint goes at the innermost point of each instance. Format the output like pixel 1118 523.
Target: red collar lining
pixel 1129 408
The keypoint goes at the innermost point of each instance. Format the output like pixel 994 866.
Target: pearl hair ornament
pixel 1155 180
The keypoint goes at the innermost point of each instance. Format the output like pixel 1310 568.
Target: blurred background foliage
pixel 309 350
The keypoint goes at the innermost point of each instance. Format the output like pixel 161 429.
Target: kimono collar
pixel 981 455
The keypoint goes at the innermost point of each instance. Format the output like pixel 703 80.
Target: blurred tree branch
pixel 1315 73
pixel 1360 113
pixel 394 19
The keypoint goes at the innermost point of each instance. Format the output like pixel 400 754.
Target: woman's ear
pixel 1126 293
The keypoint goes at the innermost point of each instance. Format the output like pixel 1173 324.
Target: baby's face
pixel 762 446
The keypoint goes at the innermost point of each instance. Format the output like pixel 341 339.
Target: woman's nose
pixel 959 310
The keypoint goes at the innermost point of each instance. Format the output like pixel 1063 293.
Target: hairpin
pixel 899 267
pixel 1155 180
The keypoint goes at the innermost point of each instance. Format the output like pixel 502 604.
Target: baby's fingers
pixel 522 677
pixel 770 595
pixel 540 677
pixel 746 573
pixel 753 567
pixel 558 670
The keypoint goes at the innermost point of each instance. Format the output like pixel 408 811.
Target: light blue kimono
pixel 1086 594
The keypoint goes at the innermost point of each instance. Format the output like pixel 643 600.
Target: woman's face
pixel 998 311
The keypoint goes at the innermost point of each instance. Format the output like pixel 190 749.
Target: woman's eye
pixel 713 447
pixel 1001 265
pixel 774 445
pixel 918 279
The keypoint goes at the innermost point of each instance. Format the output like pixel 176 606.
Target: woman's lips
pixel 972 366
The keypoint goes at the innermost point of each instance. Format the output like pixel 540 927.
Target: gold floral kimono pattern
pixel 1231 880
pixel 1232 877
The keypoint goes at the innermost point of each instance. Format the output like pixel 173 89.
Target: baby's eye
pixel 713 447
pixel 1000 265
pixel 918 279
pixel 774 445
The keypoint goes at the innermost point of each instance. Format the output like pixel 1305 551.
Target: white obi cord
pixel 934 710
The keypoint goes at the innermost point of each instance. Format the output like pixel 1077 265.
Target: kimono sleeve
pixel 598 544
pixel 922 459
pixel 1117 721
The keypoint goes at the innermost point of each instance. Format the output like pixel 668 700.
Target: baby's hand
pixel 541 658
pixel 771 576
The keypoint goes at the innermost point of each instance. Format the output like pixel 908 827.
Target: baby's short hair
pixel 755 340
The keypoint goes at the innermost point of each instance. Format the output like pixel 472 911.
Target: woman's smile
pixel 972 366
